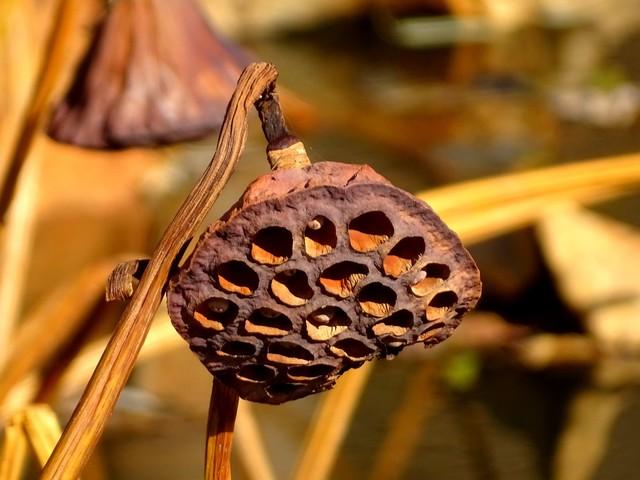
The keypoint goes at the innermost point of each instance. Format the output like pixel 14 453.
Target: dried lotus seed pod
pixel 314 271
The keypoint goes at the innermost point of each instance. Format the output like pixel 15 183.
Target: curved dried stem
pixel 89 419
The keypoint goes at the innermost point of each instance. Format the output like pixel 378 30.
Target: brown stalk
pixel 53 60
pixel 222 415
pixel 89 419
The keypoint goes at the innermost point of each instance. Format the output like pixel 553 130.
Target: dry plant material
pixel 14 449
pixel 156 73
pixel 222 416
pixel 315 270
pixel 52 63
pixel 61 316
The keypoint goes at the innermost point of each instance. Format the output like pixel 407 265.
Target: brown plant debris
pixel 155 73
pixel 314 271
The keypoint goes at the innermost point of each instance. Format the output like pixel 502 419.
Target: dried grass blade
pixel 250 445
pixel 43 430
pixel 16 239
pixel 330 425
pixel 406 425
pixel 52 63
pixel 60 316
pixel 14 449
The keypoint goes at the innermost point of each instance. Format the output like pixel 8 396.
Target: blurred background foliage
pixel 540 382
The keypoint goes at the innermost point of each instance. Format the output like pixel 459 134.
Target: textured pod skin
pixel 314 271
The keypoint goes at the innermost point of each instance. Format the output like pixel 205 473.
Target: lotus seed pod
pixel 314 271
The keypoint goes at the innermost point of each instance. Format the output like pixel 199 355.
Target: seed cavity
pixel 256 373
pixel 403 256
pixel 215 313
pixel 310 372
pixel 272 246
pixel 432 276
pixel 237 349
pixel 352 349
pixel 341 279
pixel 396 325
pixel 320 236
pixel 326 322
pixel 268 322
pixel 291 287
pixel 237 277
pixel 288 353
pixel 369 230
pixel 282 389
pixel 440 304
pixel 430 332
pixel 377 300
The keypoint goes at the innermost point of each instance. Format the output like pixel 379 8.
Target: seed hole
pixel 397 324
pixel 291 287
pixel 265 321
pixel 377 300
pixel 282 389
pixel 310 372
pixel 440 304
pixel 403 256
pixel 288 353
pixel 256 373
pixel 431 276
pixel 352 349
pixel 237 277
pixel 215 313
pixel 320 236
pixel 272 246
pixel 326 322
pixel 341 279
pixel 237 348
pixel 431 332
pixel 369 230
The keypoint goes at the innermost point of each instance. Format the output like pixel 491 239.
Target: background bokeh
pixel 540 382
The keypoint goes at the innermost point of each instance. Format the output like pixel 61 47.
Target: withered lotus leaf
pixel 155 73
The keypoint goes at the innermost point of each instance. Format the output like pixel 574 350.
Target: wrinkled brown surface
pixel 216 301
pixel 155 73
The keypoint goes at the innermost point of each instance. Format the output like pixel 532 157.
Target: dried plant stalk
pixel 42 429
pixel 405 425
pixel 222 416
pixel 89 418
pixel 15 248
pixel 330 425
pixel 14 449
pixel 505 189
pixel 250 445
pixel 49 71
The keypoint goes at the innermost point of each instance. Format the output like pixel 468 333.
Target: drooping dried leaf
pixel 155 73
pixel 596 262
